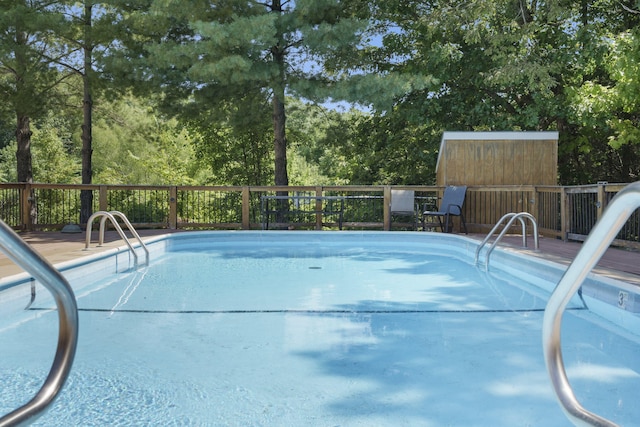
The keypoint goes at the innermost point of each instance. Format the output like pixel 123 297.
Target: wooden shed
pixel 498 158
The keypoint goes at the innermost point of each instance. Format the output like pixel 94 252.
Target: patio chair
pixel 451 205
pixel 403 204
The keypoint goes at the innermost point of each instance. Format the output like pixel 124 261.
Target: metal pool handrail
pixel 131 229
pixel 25 257
pixel 513 216
pixel 111 216
pixel 605 230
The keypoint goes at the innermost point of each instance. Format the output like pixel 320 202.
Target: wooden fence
pixel 562 212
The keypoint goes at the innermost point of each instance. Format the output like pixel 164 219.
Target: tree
pixel 513 65
pixel 27 77
pixel 27 31
pixel 94 28
pixel 218 53
pixel 78 40
pixel 612 107
pixel 82 37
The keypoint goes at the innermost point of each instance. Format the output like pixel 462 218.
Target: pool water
pixel 268 330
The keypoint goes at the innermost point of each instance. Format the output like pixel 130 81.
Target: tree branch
pixel 628 9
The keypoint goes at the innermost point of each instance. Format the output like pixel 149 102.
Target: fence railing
pixel 562 212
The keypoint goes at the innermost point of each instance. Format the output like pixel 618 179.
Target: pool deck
pixel 57 247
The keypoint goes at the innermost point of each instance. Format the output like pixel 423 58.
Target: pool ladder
pixel 615 216
pixel 104 215
pixel 30 261
pixel 512 216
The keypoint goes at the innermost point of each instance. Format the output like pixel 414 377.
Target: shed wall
pixel 498 161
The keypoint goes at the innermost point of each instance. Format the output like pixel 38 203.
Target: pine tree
pixel 210 53
pixel 26 71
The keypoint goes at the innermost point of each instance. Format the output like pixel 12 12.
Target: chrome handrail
pixel 133 231
pixel 513 216
pixel 601 236
pixel 104 215
pixel 30 261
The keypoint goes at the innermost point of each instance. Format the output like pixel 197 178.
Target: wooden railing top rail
pixel 609 187
pixel 558 208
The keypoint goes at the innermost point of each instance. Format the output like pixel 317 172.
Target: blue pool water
pixel 318 329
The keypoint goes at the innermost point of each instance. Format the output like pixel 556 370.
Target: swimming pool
pixel 308 328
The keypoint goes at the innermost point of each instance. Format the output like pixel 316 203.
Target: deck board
pixel 618 263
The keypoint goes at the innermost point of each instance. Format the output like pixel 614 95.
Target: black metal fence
pixel 563 212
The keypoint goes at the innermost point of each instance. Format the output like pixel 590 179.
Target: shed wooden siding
pixel 486 161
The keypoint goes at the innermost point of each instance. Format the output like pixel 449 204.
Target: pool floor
pixel 318 337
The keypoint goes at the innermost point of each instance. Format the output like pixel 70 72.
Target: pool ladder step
pixel 111 215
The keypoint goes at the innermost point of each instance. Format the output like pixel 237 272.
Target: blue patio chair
pixel 451 205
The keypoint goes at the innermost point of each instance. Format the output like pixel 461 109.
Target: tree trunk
pixel 24 167
pixel 23 153
pixel 86 196
pixel 23 160
pixel 23 125
pixel 280 141
pixel 280 150
pixel 279 117
pixel 279 122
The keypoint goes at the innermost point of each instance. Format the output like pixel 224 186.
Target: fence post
pixel 102 198
pixel 26 199
pixel 386 216
pixel 533 198
pixel 246 208
pixel 318 208
pixel 601 202
pixel 173 207
pixel 564 210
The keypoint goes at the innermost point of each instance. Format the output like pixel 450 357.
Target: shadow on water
pixel 467 368
pixel 437 368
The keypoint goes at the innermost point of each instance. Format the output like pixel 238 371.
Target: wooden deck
pixel 56 247
pixel 618 263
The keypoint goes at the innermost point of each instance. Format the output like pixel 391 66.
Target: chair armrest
pixel 429 206
pixel 457 206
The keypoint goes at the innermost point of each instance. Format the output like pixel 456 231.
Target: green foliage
pixel 29 54
pixel 7 133
pixel 8 163
pixel 508 65
pixel 314 133
pixel 624 66
pixel 26 30
pixel 135 145
pixel 389 149
pixel 416 68
pixel 54 153
pixel 234 142
pixel 606 115
pixel 207 58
